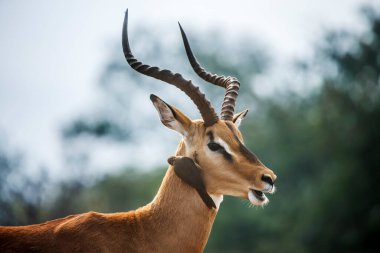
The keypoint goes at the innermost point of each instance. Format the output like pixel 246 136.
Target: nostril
pixel 267 179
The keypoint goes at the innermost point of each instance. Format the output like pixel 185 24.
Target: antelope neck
pixel 180 213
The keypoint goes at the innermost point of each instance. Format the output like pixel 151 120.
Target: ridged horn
pixel 205 108
pixel 231 84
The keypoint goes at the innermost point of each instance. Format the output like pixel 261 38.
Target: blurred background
pixel 78 131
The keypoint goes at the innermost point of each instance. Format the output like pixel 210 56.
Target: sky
pixel 52 53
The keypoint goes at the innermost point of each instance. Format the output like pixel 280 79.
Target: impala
pixel 211 161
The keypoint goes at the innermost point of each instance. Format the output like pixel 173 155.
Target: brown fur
pixel 222 177
pixel 176 220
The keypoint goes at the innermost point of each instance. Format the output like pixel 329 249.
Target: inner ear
pixel 239 117
pixel 170 116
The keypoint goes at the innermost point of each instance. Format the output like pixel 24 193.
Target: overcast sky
pixel 52 52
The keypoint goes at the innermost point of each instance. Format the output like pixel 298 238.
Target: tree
pixel 20 196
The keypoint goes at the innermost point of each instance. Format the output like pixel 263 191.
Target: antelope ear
pixel 170 116
pixel 239 117
pixel 190 172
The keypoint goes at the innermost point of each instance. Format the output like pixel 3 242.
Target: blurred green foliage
pixel 20 196
pixel 324 147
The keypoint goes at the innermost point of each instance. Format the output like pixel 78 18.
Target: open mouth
pixel 257 197
pixel 259 194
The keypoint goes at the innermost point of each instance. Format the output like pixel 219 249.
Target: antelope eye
pixel 213 146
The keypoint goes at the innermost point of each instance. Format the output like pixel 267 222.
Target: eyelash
pixel 213 146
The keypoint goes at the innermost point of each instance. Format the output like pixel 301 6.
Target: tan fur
pixel 221 176
pixel 175 221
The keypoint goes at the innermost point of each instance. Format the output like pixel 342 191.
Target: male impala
pixel 211 161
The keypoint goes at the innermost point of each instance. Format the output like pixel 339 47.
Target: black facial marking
pixel 213 146
pixel 216 147
pixel 243 149
pixel 227 155
pixel 248 154
pixel 211 136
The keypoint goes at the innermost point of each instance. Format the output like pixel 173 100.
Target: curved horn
pixel 207 111
pixel 231 84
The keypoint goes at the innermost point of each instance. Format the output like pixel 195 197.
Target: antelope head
pixel 212 150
